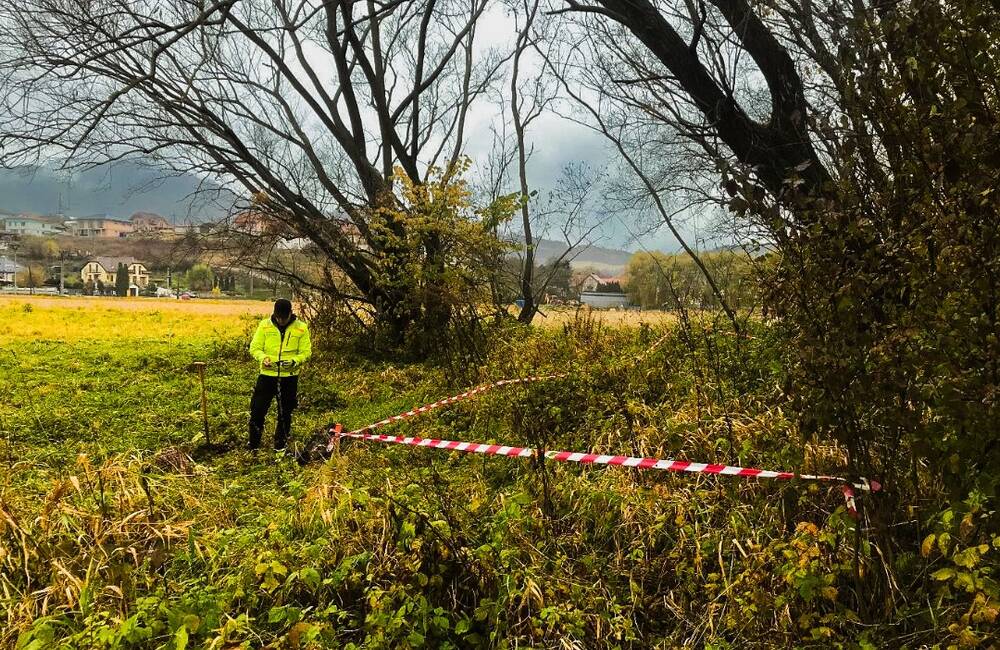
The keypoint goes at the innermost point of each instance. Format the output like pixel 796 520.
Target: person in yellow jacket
pixel 281 346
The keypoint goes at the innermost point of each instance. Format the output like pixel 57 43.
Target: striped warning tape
pixel 452 445
pixel 847 487
pixel 365 433
pixel 444 402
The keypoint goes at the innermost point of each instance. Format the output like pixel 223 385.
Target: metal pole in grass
pixel 14 246
pixel 200 367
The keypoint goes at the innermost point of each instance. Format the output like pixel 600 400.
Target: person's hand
pixel 267 362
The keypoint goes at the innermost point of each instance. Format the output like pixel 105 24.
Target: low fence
pixel 600 300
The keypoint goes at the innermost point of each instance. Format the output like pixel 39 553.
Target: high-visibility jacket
pixel 294 346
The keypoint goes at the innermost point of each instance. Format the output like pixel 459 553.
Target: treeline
pixel 655 280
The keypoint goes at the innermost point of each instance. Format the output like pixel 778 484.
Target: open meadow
pixel 91 318
pixel 121 528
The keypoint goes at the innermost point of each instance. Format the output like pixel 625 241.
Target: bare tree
pixel 304 110
pixel 563 211
pixel 705 77
pixel 527 103
pixel 659 167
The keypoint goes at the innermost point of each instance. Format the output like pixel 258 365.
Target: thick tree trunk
pixel 778 150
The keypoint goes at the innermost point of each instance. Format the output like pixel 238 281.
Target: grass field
pixel 120 528
pixel 101 390
pixel 65 319
pixel 74 318
pixel 76 366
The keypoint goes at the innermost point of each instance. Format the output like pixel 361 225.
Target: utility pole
pixel 14 246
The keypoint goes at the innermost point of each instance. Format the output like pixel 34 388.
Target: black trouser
pixel 267 388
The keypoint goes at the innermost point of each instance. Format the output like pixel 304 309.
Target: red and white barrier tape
pixel 364 433
pixel 637 462
pixel 446 402
pixel 451 445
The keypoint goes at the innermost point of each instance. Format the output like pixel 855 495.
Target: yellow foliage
pixel 444 248
pixel 77 319
pixel 927 547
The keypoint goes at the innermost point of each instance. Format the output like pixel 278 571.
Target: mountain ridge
pixel 601 258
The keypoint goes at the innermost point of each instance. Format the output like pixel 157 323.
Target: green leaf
pixel 944 543
pixel 310 577
pixel 946 573
pixel 967 558
pixel 34 644
pixel 276 615
pixel 181 638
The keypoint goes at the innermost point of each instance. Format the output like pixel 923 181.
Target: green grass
pixel 110 537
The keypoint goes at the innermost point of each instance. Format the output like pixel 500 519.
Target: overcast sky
pixel 127 188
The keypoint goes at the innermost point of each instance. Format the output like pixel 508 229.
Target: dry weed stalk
pixel 87 526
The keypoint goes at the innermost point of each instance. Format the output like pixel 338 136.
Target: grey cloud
pixel 119 190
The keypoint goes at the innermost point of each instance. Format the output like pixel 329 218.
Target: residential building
pixel 595 283
pixel 99 226
pixel 254 222
pixel 193 229
pixel 248 222
pixel 7 270
pixel 149 223
pixel 105 270
pixel 24 224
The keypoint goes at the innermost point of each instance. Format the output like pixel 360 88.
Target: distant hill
pixel 604 259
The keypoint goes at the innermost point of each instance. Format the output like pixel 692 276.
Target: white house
pixel 23 224
pixel 604 300
pixel 595 282
pixel 7 270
